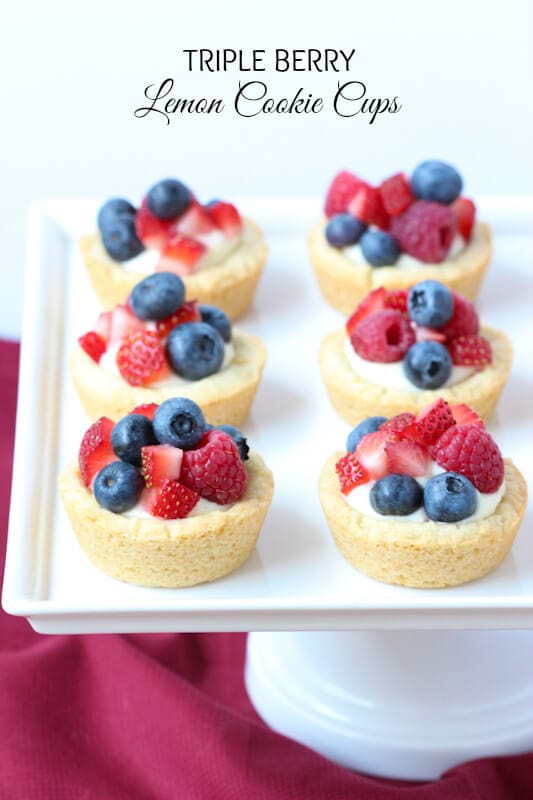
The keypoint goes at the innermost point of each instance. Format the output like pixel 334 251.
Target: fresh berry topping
pixel 180 254
pixel 350 472
pixel 369 425
pixel 342 189
pixel 465 211
pixel 427 365
pixel 463 415
pixel 111 210
pixel 471 451
pixel 430 304
pixel 168 199
pixel 395 426
pixel 172 500
pixel 470 351
pixel 428 334
pixel 154 232
pixel 379 248
pixel 195 350
pixel 425 231
pixel 449 497
pixel 120 239
pixel 407 457
pixel 432 421
pixel 93 344
pixel 130 435
pixel 375 301
pixel 371 453
pixel 157 296
pixel 160 462
pixel 239 439
pixel 146 409
pixel 179 422
pixel 102 325
pixel 396 495
pixel 217 319
pixel 367 206
pixel 226 217
pixel 343 230
pixel 141 359
pixel 436 181
pixel 95 449
pixel 117 487
pixel 464 321
pixel 195 222
pixel 187 312
pixel 215 469
pixel 384 336
pixel 123 324
pixel 396 194
pixel 397 300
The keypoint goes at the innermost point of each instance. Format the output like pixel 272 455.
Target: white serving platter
pixel 295 580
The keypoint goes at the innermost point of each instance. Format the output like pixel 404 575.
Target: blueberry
pixel 120 238
pixel 449 497
pixel 436 181
pixel 168 199
pixel 195 350
pixel 129 435
pixel 116 207
pixel 369 425
pixel 396 494
pixel 379 248
pixel 344 229
pixel 428 365
pixel 430 304
pixel 217 319
pixel 118 486
pixel 238 438
pixel 157 296
pixel 179 422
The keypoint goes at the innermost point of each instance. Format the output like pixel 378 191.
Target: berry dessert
pixel 159 345
pixel 219 254
pixel 162 498
pixel 425 501
pixel 401 349
pixel 402 231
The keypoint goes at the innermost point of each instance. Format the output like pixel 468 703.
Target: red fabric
pixel 166 716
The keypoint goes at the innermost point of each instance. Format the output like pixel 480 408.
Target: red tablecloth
pixel 166 716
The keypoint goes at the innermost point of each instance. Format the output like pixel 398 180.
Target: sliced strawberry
pixel 470 351
pixel 396 426
pixel 463 415
pixel 93 344
pixel 95 449
pixel 341 190
pixel 375 301
pixel 123 324
pixel 367 206
pixel 428 334
pixel 172 500
pixel 180 255
pixel 141 359
pixel 465 211
pixel 407 457
pixel 432 421
pixel 103 325
pixel 188 312
pixel 146 409
pixel 195 221
pixel 371 454
pixel 151 230
pixel 351 473
pixel 226 218
pixel 397 300
pixel 161 462
pixel 396 194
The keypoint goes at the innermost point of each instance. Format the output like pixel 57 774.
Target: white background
pixel 72 74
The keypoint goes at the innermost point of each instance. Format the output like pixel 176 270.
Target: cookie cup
pixel 224 397
pixel 423 555
pixel 344 284
pixel 355 398
pixel 229 285
pixel 168 553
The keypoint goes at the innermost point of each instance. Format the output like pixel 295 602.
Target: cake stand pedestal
pixel 401 704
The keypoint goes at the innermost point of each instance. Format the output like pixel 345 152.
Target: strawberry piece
pixel 432 421
pixel 470 351
pixel 464 320
pixel 226 218
pixel 141 359
pixel 180 255
pixel 215 469
pixel 371 454
pixel 160 462
pixel 428 334
pixel 95 449
pixel 172 500
pixel 463 415
pixel 395 426
pixel 123 324
pixel 471 451
pixel 407 457
pixel 93 344
pixel 367 206
pixel 396 194
pixel 195 221
pixel 350 472
pixel 384 336
pixel 397 300
pixel 425 230
pixel 146 409
pixel 103 325
pixel 151 230
pixel 187 312
pixel 342 189
pixel 375 301
pixel 465 211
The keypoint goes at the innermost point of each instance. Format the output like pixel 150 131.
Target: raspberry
pixel 398 424
pixel 397 300
pixel 187 312
pixel 342 189
pixel 464 321
pixel 93 344
pixel 465 211
pixel 384 336
pixel 396 194
pixel 432 422
pixel 471 451
pixel 425 230
pixel 141 359
pixel 375 301
pixel 470 351
pixel 215 469
pixel 351 473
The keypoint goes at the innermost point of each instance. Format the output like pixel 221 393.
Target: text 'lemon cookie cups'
pixel 403 231
pixel 219 254
pixel 159 515
pixel 159 346
pixel 435 530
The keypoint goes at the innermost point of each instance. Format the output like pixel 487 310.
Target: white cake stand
pixel 386 680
